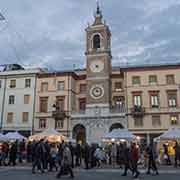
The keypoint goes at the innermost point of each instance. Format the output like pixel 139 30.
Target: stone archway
pixel 116 126
pixel 79 133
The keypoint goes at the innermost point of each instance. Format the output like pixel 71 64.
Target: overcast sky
pixel 50 33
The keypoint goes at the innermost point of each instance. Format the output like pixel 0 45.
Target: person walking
pixel 78 155
pixel 86 155
pixel 134 160
pixel 13 154
pixel 38 154
pixel 126 160
pixel 151 160
pixel 66 163
pixel 166 155
pixel 53 156
pixel 72 153
pixel 22 149
pixel 5 152
pixel 177 154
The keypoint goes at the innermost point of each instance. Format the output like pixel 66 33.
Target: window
pixel 43 104
pixel 27 83
pixel 60 103
pixel 118 86
pixel 172 98
pixel 82 104
pixel 170 79
pixel 154 98
pixel 59 124
pixel 136 80
pixel 9 117
pixel 42 123
pixel 138 121
pixel 11 99
pixel 12 83
pixel 96 41
pixel 61 85
pixel 82 88
pixel 152 79
pixel 174 119
pixel 26 98
pixel 25 117
pixel 44 86
pixel 119 102
pixel 137 100
pixel 156 121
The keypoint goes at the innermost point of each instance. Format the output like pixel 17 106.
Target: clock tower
pixel 98 65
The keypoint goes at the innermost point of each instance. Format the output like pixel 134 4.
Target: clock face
pixel 97 91
pixel 96 66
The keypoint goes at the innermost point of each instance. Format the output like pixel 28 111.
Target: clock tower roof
pixel 98 16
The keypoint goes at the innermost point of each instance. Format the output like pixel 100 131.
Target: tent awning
pixel 49 134
pixel 171 134
pixel 118 134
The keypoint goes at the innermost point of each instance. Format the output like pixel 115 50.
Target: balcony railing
pixel 79 112
pixel 120 109
pixel 59 114
pixel 137 111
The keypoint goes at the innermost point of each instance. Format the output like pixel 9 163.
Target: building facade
pixel 84 104
pixel 17 100
pixel 153 99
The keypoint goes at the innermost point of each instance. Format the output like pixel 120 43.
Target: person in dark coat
pixel 29 152
pixel 78 155
pixel 166 155
pixel 46 155
pixel 38 154
pixel 60 152
pixel 86 155
pixel 126 160
pixel 177 154
pixel 151 160
pixel 72 153
pixel 13 154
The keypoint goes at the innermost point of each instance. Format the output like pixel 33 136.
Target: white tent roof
pixel 2 138
pixel 171 134
pixel 50 134
pixel 119 134
pixel 14 136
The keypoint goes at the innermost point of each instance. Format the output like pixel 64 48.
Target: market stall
pixel 168 139
pixel 12 136
pixel 117 135
pixel 2 138
pixel 49 134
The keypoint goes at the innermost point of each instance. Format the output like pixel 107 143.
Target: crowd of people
pixel 63 157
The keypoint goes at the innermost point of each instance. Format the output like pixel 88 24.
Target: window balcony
pixel 137 111
pixel 59 114
pixel 118 109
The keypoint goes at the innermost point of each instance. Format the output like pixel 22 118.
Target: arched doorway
pixel 79 133
pixel 116 126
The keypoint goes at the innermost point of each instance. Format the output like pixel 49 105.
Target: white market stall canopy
pixel 50 135
pixel 2 138
pixel 171 134
pixel 13 136
pixel 119 134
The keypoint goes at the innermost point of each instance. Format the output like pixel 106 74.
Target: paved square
pixel 102 174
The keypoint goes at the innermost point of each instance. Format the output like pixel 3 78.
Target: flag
pixel 2 18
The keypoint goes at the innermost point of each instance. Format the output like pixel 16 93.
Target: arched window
pixel 96 41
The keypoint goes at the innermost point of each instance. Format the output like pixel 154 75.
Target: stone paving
pixel 24 173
